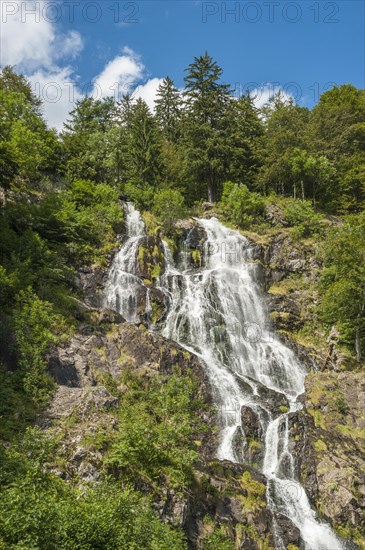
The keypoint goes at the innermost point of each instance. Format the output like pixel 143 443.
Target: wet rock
pixel 251 423
pixel 158 302
pixel 150 258
pixel 195 238
pixel 287 531
pixel 264 397
pixel 254 448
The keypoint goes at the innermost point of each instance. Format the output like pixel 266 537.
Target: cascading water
pixel 218 313
pixel 123 283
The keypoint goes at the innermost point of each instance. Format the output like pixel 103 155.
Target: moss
pixel 349 532
pixel 142 253
pixel 151 223
pixel 262 543
pixel 255 491
pixel 279 315
pixel 197 258
pixel 350 431
pixel 283 408
pixel 278 290
pixel 320 445
pixel 156 271
pixel 254 445
pixel 156 252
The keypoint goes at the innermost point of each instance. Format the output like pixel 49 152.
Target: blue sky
pixel 302 47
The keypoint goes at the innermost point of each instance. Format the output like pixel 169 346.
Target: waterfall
pixel 218 313
pixel 123 283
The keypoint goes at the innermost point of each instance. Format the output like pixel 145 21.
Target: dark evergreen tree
pixel 168 109
pixel 205 127
pixel 245 140
pixel 285 129
pixel 143 146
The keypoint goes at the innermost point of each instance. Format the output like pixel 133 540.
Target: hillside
pixel 146 261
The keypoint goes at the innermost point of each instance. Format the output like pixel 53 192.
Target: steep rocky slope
pixel 226 503
pixel 328 435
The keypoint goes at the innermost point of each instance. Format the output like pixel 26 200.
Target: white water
pixel 123 284
pixel 218 313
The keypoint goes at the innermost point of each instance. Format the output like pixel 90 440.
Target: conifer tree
pixel 207 101
pixel 168 109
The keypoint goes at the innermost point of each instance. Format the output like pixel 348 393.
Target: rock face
pixel 88 371
pixel 151 260
pixel 326 437
pixel 192 241
pixel 328 440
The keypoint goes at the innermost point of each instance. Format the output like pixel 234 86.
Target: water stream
pixel 218 312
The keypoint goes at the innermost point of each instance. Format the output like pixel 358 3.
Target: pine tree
pixel 168 109
pixel 143 146
pixel 207 101
pixel 245 141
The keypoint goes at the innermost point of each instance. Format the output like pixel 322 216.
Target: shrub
pixel 240 205
pixel 35 331
pixel 302 217
pixel 40 510
pixel 168 206
pixel 154 441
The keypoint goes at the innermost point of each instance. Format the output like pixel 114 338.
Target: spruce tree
pixel 168 109
pixel 207 101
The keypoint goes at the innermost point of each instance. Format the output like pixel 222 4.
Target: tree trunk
pixel 302 187
pixel 358 344
pixel 295 190
pixel 210 190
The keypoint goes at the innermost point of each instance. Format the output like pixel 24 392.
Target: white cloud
pixel 30 40
pixel 69 45
pixel 148 92
pixel 262 94
pixel 59 93
pixel 119 76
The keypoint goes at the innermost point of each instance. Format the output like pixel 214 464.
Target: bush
pixel 35 331
pixel 40 510
pixel 168 206
pixel 240 205
pixel 154 441
pixel 302 216
pixel 141 196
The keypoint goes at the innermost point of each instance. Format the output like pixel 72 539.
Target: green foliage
pixel 302 217
pixel 240 205
pixel 218 539
pixel 153 442
pixel 205 125
pixel 343 282
pixel 168 109
pixel 39 510
pixel 35 331
pixel 168 206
